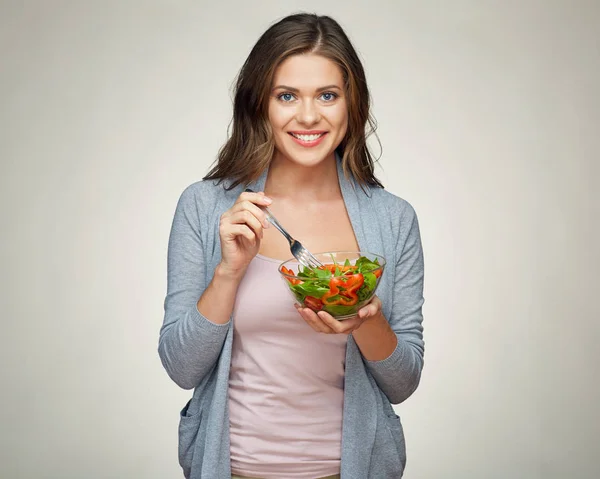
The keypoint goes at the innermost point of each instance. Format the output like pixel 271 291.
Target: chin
pixel 308 158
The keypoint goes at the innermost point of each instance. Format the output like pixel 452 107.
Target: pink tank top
pixel 286 386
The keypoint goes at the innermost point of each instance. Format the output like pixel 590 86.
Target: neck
pixel 289 179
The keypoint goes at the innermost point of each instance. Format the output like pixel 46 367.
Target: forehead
pixel 308 72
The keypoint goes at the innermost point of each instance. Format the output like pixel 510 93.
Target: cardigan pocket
pixel 397 432
pixel 189 425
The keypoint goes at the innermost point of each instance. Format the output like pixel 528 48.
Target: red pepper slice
pixel 347 297
pixel 331 267
pixel 313 303
pixel 294 281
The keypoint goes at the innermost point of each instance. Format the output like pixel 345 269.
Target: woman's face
pixel 307 109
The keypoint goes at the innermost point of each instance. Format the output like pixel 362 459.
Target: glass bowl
pixel 346 283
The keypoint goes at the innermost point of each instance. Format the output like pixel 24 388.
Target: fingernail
pixel 266 224
pixel 268 200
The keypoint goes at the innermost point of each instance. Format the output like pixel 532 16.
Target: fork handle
pixel 275 223
pixel 273 220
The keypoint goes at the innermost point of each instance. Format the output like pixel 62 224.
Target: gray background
pixel 489 119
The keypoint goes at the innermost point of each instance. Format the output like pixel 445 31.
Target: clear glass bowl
pixel 341 293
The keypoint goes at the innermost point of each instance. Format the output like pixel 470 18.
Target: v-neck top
pixel 286 384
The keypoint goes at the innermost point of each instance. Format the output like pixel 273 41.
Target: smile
pixel 312 139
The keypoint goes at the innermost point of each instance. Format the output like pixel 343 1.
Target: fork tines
pixel 311 260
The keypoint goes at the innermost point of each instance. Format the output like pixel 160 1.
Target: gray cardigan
pixel 196 353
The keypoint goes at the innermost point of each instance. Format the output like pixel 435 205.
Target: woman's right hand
pixel 240 232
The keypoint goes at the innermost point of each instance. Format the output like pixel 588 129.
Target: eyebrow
pixel 295 90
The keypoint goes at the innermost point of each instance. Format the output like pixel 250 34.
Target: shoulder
pixel 395 216
pixel 201 202
pixel 206 195
pixel 397 209
pixel 206 191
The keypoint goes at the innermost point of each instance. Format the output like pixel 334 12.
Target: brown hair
pixel 250 147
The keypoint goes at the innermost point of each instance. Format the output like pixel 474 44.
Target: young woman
pixel 281 391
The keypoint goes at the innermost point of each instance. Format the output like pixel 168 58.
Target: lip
pixel 308 144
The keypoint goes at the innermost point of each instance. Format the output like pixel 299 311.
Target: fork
pixel 299 252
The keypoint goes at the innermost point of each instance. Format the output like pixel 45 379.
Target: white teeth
pixel 307 137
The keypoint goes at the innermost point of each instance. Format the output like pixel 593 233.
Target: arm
pixel 190 343
pixel 399 371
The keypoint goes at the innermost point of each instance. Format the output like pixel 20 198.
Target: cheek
pixel 344 127
pixel 340 117
pixel 278 117
pixel 343 122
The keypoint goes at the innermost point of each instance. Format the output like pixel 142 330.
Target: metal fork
pixel 299 252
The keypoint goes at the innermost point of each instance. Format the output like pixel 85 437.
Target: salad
pixel 336 288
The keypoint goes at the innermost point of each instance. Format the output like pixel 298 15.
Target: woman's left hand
pixel 323 322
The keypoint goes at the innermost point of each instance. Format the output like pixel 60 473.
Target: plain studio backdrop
pixel 489 119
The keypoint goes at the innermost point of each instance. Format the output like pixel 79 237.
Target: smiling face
pixel 307 109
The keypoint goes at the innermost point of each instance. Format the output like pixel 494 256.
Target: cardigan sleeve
pixel 189 344
pixel 399 374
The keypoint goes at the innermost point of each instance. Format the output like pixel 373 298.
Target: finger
pixel 367 311
pixel 252 208
pixel 314 321
pixel 352 324
pixel 340 327
pixel 371 309
pixel 228 221
pixel 259 198
pixel 376 301
pixel 232 231
pixel 247 218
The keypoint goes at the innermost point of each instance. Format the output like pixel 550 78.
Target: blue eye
pixel 286 97
pixel 328 96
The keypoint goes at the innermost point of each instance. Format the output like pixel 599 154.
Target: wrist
pixel 375 338
pixel 225 274
pixel 218 299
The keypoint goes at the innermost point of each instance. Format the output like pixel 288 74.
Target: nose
pixel 308 113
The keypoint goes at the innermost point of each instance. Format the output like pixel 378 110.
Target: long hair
pixel 250 147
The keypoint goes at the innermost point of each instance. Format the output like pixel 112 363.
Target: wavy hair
pixel 250 146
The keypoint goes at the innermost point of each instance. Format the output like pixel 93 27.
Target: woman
pixel 281 392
